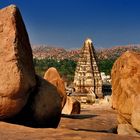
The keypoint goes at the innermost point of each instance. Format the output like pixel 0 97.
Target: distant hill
pixel 114 52
pixel 43 51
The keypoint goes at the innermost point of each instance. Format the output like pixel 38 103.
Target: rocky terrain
pixel 97 122
pixel 44 51
pixel 31 106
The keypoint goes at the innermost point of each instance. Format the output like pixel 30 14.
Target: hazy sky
pixel 67 23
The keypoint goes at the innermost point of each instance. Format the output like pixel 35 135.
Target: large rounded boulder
pixel 46 104
pixel 126 88
pixel 17 74
pixel 43 108
pixel 53 77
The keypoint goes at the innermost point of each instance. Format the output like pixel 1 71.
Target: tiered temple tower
pixel 87 76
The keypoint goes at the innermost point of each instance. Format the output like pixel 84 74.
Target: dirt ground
pixel 96 122
pixel 93 118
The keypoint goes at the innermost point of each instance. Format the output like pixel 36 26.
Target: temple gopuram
pixel 87 79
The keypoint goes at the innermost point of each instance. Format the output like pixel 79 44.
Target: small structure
pixel 87 76
pixel 105 78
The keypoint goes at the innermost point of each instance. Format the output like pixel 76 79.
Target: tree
pixel 65 67
pixel 106 65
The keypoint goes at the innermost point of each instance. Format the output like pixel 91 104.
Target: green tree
pixel 65 67
pixel 106 65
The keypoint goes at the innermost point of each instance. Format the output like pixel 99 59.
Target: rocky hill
pixel 114 52
pixel 44 51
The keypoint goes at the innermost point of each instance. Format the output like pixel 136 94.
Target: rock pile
pixel 126 90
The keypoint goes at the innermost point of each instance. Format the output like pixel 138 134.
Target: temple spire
pixel 87 76
pixel 88 41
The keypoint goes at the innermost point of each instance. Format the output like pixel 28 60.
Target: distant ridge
pixel 44 51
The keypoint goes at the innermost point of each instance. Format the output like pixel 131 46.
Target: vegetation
pixel 66 67
pixel 105 65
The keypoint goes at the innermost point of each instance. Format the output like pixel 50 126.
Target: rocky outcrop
pixel 53 77
pixel 87 76
pixel 17 75
pixel 24 97
pixel 125 89
pixel 72 106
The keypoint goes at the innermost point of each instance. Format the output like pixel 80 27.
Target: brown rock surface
pixel 125 88
pixel 135 118
pixel 127 129
pixel 72 106
pixel 84 126
pixel 17 75
pixel 94 118
pixel 47 104
pixel 43 108
pixel 53 77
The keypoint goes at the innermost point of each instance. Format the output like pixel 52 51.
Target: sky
pixel 67 23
